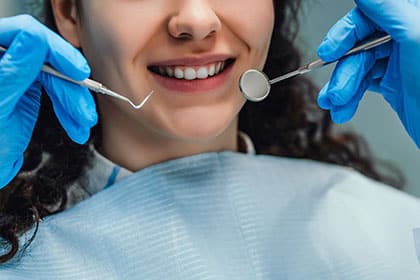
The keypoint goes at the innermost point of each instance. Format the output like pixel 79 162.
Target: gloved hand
pixel 30 44
pixel 392 70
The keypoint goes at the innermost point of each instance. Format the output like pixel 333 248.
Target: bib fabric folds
pixel 230 216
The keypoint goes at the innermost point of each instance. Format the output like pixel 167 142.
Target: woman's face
pixel 191 53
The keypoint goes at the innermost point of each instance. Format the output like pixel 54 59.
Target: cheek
pixel 111 41
pixel 251 20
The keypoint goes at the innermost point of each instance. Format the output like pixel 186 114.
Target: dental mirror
pixel 256 86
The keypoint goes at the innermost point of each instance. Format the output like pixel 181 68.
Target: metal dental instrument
pixel 92 85
pixel 255 85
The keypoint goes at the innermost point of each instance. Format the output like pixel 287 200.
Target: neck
pixel 135 149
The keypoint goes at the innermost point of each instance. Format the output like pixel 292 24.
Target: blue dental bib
pixel 230 216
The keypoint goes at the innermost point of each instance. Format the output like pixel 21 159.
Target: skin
pixel 121 38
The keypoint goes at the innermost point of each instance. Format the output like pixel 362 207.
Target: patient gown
pixel 227 216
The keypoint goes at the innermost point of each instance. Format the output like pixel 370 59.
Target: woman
pixel 194 208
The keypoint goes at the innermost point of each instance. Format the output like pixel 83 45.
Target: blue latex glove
pixel 392 70
pixel 30 44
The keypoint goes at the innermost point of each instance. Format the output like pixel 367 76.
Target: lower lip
pixel 194 86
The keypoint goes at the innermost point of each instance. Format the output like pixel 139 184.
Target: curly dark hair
pixel 288 123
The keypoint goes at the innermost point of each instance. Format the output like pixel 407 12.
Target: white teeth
pixel 190 73
pixel 179 74
pixel 212 70
pixel 202 73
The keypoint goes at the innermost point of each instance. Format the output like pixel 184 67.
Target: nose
pixel 194 20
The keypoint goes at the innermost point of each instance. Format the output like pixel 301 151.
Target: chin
pixel 198 133
pixel 202 127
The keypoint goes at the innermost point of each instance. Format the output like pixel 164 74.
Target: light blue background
pixel 374 119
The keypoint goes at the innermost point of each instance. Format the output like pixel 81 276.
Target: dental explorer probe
pixel 255 85
pixel 92 85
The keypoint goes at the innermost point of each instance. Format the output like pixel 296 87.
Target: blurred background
pixel 374 120
pixel 10 7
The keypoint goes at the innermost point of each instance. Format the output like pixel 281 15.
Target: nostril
pixel 194 23
pixel 184 35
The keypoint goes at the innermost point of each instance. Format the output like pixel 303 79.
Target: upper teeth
pixel 192 73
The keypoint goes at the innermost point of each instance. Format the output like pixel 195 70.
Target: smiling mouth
pixel 191 73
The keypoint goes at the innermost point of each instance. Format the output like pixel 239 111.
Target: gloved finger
pixel 344 35
pixel 15 138
pixel 28 109
pixel 375 75
pixel 343 114
pixel 18 72
pixel 60 54
pixel 400 19
pixel 392 76
pixel 379 70
pixel 378 85
pixel 347 77
pixel 350 72
pixel 323 100
pixel 74 107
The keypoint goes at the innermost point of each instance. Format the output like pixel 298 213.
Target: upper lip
pixel 193 61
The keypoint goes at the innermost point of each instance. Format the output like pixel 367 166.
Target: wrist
pixel 9 171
